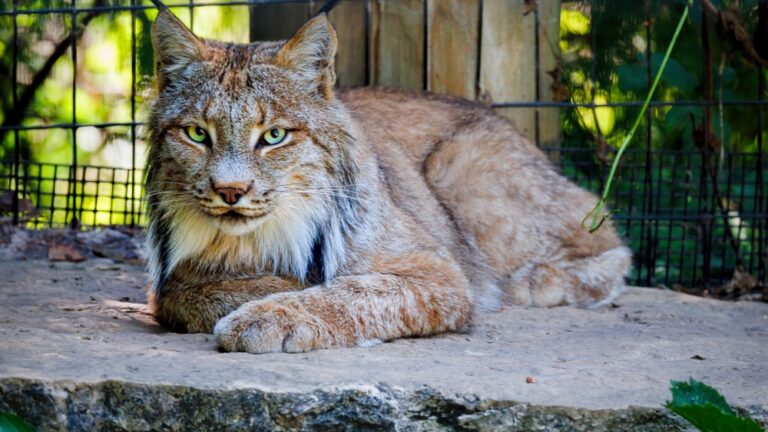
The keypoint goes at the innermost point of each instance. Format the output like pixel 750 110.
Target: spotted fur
pixel 383 215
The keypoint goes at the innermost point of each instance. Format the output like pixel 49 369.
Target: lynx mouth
pixel 235 216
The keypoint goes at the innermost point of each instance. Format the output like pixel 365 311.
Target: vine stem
pixel 597 221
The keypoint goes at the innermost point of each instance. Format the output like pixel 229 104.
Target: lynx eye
pixel 197 134
pixel 275 136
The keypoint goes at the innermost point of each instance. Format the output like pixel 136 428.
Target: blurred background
pixel 691 197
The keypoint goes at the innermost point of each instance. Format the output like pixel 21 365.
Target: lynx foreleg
pixel 195 309
pixel 352 310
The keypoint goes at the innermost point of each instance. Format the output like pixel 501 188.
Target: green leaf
pixel 632 76
pixel 697 393
pixel 709 418
pixel 10 422
pixel 675 74
pixel 707 409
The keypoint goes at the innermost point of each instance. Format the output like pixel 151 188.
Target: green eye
pixel 274 136
pixel 196 133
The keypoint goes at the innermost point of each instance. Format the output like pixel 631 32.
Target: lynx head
pixel 249 155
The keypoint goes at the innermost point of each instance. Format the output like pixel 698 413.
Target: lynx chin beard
pixel 275 242
pixel 287 215
pixel 275 216
pixel 235 223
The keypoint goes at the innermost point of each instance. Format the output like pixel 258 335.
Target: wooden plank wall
pixel 491 51
pixel 397 55
pixel 452 47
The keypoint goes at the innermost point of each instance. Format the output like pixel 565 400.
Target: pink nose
pixel 231 193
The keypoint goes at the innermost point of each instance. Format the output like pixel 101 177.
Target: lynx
pixel 288 216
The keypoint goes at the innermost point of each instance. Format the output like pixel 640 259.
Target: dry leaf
pixel 61 252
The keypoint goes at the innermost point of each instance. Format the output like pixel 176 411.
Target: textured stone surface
pixel 79 352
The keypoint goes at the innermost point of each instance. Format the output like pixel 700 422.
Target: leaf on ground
pixel 697 393
pixel 61 252
pixel 709 418
pixel 12 423
pixel 707 409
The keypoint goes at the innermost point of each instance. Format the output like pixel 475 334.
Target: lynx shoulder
pixel 286 215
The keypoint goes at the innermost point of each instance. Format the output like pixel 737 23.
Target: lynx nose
pixel 231 192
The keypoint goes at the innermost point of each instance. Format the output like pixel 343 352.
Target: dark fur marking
pixel 222 75
pixel 161 233
pixel 348 202
pixel 164 249
pixel 318 142
pixel 316 265
pixel 347 216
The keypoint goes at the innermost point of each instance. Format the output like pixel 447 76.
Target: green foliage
pixel 707 409
pixel 597 211
pixel 10 422
pixel 616 42
pixel 632 76
pixel 610 63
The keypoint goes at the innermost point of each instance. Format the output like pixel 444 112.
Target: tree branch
pixel 17 114
pixel 729 23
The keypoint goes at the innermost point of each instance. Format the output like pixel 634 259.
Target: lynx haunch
pixel 289 216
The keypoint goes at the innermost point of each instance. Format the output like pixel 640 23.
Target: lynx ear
pixel 311 52
pixel 175 46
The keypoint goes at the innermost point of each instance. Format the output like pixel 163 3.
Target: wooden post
pixel 453 47
pixel 276 21
pixel 397 43
pixel 549 60
pixel 348 19
pixel 508 60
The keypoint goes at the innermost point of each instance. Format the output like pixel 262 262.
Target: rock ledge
pixel 78 351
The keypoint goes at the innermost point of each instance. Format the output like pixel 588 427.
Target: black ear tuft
pixel 159 5
pixel 327 6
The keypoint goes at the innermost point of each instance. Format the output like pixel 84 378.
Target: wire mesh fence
pixel 695 214
pixel 55 195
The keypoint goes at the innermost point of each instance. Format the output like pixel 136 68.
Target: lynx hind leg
pixel 473 173
pixel 524 219
pixel 586 282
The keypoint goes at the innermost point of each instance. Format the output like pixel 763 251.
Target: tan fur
pixel 384 214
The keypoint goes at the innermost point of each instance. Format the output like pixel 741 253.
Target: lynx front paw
pixel 272 326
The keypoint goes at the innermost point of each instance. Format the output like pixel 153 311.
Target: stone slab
pixel 78 351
